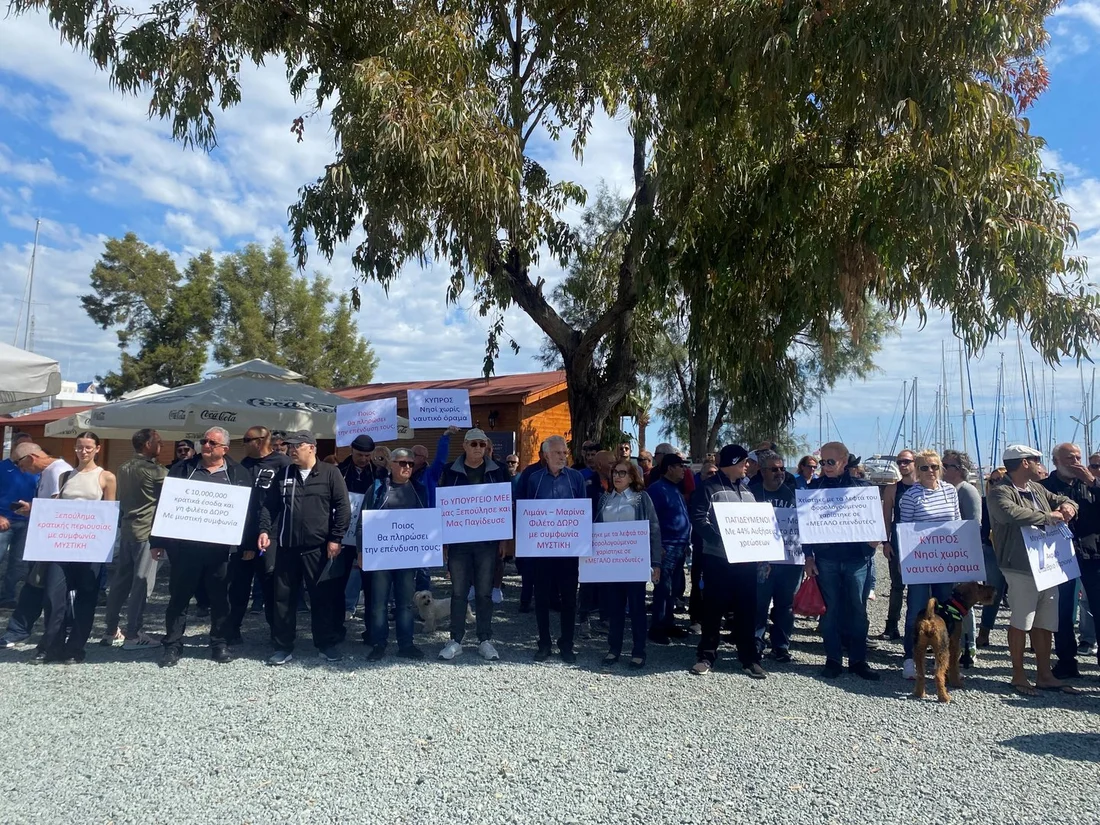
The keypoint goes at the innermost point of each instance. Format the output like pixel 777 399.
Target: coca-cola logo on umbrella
pixel 177 415
pixel 218 415
pixel 291 404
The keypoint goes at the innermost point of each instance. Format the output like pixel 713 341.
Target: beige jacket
pixel 1008 513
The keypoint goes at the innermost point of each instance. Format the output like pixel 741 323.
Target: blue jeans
pixel 845 618
pixel 995 579
pixel 664 596
pixel 12 543
pixel 351 592
pixel 916 599
pixel 778 586
pixel 403 584
pixel 1065 640
pixel 872 577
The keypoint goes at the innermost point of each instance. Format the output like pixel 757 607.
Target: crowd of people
pixel 299 541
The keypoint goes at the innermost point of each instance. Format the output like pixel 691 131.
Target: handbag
pixel 808 601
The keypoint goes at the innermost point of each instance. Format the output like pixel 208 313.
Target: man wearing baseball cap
pixel 726 586
pixel 1019 500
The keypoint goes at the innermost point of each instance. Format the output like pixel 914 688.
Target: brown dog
pixel 939 626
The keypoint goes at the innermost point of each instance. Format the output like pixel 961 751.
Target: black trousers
pixel 83 579
pixel 618 597
pixel 897 590
pixel 193 564
pixel 695 598
pixel 295 567
pixel 552 575
pixel 728 588
pixel 241 575
pixel 348 554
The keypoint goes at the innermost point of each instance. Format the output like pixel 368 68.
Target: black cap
pixel 669 460
pixel 731 455
pixel 363 443
pixel 186 442
pixel 300 437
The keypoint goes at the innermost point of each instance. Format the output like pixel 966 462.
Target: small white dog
pixel 432 611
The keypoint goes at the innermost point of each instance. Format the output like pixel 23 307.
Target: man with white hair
pixel 554 480
pixel 193 562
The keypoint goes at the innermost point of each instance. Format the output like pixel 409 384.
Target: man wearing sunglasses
pixel 841 571
pixel 15 485
pixel 1081 485
pixel 891 514
pixel 185 451
pixel 306 513
pixel 472 563
pixel 193 562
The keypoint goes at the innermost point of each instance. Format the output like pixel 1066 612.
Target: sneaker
pixel 117 639
pixel 909 670
pixel 700 668
pixel 330 654
pixel 171 657
pixel 280 657
pixel 450 651
pixel 376 654
pixel 568 656
pixel 411 652
pixel 863 671
pixel 542 654
pixel 754 671
pixel 831 670
pixel 781 656
pixel 498 595
pixel 9 640
pixel 486 651
pixel 1085 647
pixel 696 629
pixel 220 654
pixel 890 634
pixel 142 641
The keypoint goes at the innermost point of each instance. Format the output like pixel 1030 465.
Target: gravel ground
pixel 119 740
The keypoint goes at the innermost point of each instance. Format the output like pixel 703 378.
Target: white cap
pixel 1019 451
pixel 752 457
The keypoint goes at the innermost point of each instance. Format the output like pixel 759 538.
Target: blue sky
pixel 92 165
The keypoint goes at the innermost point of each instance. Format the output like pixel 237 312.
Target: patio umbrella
pixel 26 379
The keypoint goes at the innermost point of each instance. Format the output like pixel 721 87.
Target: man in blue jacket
pixel 553 480
pixel 841 571
pixel 672 513
pixel 15 485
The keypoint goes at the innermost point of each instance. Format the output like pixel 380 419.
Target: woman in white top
pixel 88 482
pixel 931 499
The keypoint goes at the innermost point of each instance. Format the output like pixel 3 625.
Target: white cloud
pixel 36 172
pixel 1085 11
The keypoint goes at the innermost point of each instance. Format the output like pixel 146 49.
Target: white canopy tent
pixel 255 393
pixel 26 379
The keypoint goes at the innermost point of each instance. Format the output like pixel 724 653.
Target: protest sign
pixel 378 419
pixel 1050 553
pixel 63 530
pixel 787 520
pixel 749 531
pixel 192 510
pixel 355 500
pixel 835 515
pixel 476 512
pixel 620 553
pixel 439 408
pixel 400 539
pixel 554 527
pixel 940 552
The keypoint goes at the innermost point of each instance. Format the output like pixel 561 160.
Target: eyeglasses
pixel 829 462
pixel 776 469
pixel 905 461
pixel 249 440
pixel 620 473
pixel 952 467
pixel 406 464
pixel 478 443
pixel 209 442
pixel 924 468
pixel 1094 466
pixel 513 462
pixel 588 448
pixel 183 449
pixel 810 466
pixel 24 458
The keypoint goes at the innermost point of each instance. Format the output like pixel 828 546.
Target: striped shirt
pixel 921 503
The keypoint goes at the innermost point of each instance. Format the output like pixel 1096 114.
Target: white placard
pixel 355 501
pixel 191 510
pixel 749 531
pixel 940 553
pixel 1050 553
pixel 620 553
pixel 63 530
pixel 787 520
pixel 378 419
pixel 439 408
pixel 400 539
pixel 475 512
pixel 835 515
pixel 559 527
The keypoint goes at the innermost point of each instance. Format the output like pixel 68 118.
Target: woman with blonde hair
pixel 931 499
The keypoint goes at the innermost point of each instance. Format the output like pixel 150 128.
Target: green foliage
pixel 168 316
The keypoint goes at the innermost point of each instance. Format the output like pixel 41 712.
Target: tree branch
pixel 534 123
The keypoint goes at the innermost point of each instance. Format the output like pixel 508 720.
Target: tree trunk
pixel 592 399
pixel 643 422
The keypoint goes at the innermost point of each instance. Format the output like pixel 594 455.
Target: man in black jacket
pixel 264 463
pixel 1075 481
pixel 306 513
pixel 472 562
pixel 726 586
pixel 359 475
pixel 195 562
